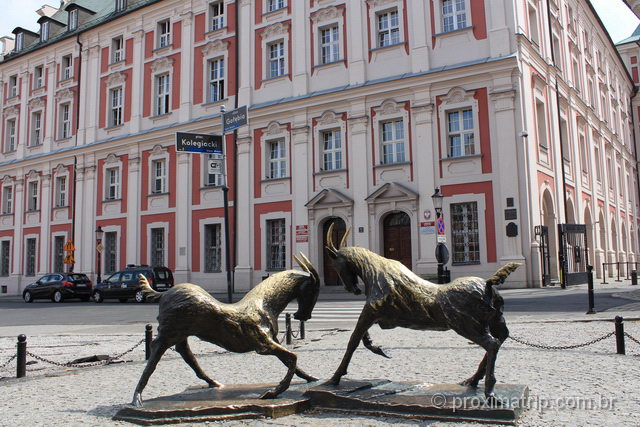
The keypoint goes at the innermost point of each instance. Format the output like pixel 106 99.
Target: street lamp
pixel 442 253
pixel 99 233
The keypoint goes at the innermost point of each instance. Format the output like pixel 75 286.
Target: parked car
pixel 58 287
pixel 124 284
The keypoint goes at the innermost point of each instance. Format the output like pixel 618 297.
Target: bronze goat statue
pixel 396 296
pixel 248 325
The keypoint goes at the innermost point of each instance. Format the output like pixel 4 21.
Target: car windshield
pixel 162 274
pixel 78 277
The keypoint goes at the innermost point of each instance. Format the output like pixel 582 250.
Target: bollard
pixel 604 274
pixel 287 322
pixel 634 278
pixel 22 356
pixel 302 329
pixel 618 268
pixel 590 290
pixel 148 337
pixel 620 335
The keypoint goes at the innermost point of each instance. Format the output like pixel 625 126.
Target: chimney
pixel 47 10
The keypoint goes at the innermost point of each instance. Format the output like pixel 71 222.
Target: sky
pixel 618 19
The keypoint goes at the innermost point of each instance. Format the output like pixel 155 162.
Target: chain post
pixel 590 290
pixel 22 356
pixel 618 268
pixel 620 335
pixel 634 277
pixel 604 273
pixel 148 337
pixel 288 328
pixel 302 332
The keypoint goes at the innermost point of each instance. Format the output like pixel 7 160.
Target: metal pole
pixel 148 336
pixel 620 335
pixel 225 193
pixel 287 325
pixel 22 356
pixel 590 290
pixel 302 329
pixel 618 268
pixel 634 278
pixel 604 273
pixel 440 273
pixel 98 276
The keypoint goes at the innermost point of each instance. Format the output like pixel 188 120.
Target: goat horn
pixel 301 264
pixel 330 244
pixel 343 242
pixel 305 259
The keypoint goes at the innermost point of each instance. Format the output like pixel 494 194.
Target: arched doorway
pixel 397 238
pixel 571 217
pixel 549 220
pixel 339 228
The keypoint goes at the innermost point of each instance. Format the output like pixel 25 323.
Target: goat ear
pixel 343 242
pixel 332 252
pixel 301 264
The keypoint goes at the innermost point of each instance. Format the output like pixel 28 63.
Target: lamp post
pixel 442 253
pixel 99 233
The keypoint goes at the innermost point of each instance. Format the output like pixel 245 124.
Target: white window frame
pixel 28 273
pixel 121 5
pixel 61 184
pixel 159 176
pixel 73 19
pixel 19 42
pixel 281 243
pixel 117 49
pixel 533 22
pixel 7 199
pixel 466 232
pixel 11 126
pixel 166 246
pixel 212 180
pixel 38 80
pixel 439 17
pixel 64 120
pixel 273 5
pixel 334 156
pixel 162 94
pixel 67 67
pixel 44 31
pixel 396 143
pixel 8 260
pixel 13 86
pixel 36 128
pixel 216 15
pixel 116 106
pixel 461 132
pixel 277 159
pixel 33 194
pixel 329 50
pixel 276 57
pixel 164 34
pixel 391 33
pixel 213 256
pixel 112 183
pixel 216 79
pixel 105 258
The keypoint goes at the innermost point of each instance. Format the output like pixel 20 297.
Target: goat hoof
pixel 137 401
pixel 470 382
pixel 311 379
pixel 214 384
pixel 333 381
pixel 269 395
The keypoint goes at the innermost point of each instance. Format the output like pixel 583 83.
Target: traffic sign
pixel 198 143
pixel 69 259
pixel 440 225
pixel 234 119
pixel 441 238
pixel 99 248
pixel 69 246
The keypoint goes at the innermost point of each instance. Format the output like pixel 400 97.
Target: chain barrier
pixel 626 334
pixel 8 361
pixel 562 347
pixel 84 365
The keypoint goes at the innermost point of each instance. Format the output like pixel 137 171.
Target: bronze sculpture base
pixel 413 400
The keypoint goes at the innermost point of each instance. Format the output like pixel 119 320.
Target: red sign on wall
pixel 302 233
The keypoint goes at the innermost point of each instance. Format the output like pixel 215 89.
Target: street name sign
pixel 198 143
pixel 234 119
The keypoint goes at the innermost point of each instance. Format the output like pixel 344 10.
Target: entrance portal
pixel 397 238
pixel 339 228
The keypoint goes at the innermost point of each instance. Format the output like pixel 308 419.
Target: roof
pixel 632 38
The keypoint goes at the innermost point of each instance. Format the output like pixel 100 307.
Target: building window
pixel 31 258
pixel 13 86
pixel 36 128
pixel 117 49
pixel 454 15
pixel 162 94
pixel 58 254
pixel 273 5
pixel 67 64
pixel 7 200
pixel 5 253
pixel 159 178
pixel 38 80
pixel 331 150
pixel 388 28
pixel 44 32
pixel 113 184
pixel 10 137
pixel 464 233
pixel 564 135
pixel 596 154
pixel 276 59
pixel 32 202
pixel 61 191
pixel 115 112
pixel 392 142
pixel 164 33
pixel 73 19
pixel 216 80
pixel 276 244
pixel 213 179
pixel 216 15
pixel 110 252
pixel 212 248
pixel 329 45
pixel 19 41
pixel 541 124
pixel 460 133
pixel 557 52
pixel 157 247
pixel 65 120
pixel 121 5
pixel 584 159
pixel 534 35
pixel 277 159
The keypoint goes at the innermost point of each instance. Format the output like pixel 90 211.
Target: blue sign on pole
pixel 234 119
pixel 198 143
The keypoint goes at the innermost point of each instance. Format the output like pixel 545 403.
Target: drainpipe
pixel 235 141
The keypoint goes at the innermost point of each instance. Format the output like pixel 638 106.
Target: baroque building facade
pixel 518 111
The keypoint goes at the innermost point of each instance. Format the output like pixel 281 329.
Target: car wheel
pixel 139 296
pixel 27 297
pixel 97 297
pixel 123 299
pixel 58 297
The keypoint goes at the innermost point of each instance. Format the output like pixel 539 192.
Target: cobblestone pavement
pixel 586 386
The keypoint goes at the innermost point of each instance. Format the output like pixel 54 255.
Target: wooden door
pixel 339 228
pixel 397 238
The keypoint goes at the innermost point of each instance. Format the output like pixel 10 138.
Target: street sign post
pixel 234 119
pixel 198 143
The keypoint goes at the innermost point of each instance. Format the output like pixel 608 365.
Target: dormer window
pixel 44 32
pixel 121 5
pixel 73 19
pixel 19 42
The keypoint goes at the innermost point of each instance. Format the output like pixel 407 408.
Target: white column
pixel 300 54
pixel 245 58
pixel 81 217
pixel 358 42
pixel 137 83
pixel 50 112
pixel 18 238
pixel 301 164
pixel 186 67
pixel 243 269
pixel 85 228
pixel 183 218
pixel 85 118
pixel 91 94
pixel 133 209
pixel 22 131
pixel 360 168
pixel 420 42
pixel 45 212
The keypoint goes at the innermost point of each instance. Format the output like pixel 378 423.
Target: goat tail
pixel 150 294
pixel 498 278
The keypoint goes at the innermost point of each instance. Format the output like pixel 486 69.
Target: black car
pixel 58 287
pixel 124 284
